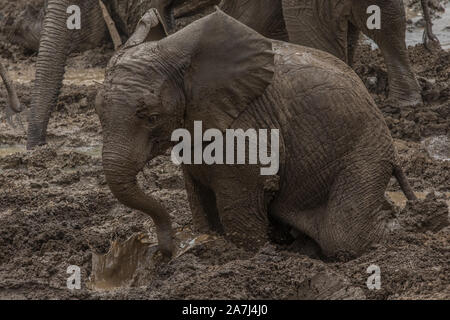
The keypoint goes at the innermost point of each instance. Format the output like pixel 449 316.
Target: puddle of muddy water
pixel 6 149
pixel 87 77
pixel 91 151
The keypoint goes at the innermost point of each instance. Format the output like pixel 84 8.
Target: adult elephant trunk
pixel 121 168
pixel 53 50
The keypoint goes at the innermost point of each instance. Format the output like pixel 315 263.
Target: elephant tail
pixel 399 174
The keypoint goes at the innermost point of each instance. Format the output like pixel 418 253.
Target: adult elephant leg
pixel 319 24
pixel 403 86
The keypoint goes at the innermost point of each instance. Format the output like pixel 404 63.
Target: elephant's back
pixel 320 91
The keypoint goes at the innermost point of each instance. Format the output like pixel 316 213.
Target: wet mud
pixel 56 210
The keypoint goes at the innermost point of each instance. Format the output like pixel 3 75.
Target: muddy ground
pixel 56 209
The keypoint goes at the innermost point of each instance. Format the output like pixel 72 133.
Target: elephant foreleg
pixel 242 212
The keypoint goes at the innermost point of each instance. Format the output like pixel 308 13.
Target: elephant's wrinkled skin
pixel 336 152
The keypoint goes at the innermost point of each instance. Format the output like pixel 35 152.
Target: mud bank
pixel 56 209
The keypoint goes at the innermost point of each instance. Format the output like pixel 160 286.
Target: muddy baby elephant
pixel 336 155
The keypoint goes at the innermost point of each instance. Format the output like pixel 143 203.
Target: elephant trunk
pixel 13 100
pixel 121 172
pixel 53 49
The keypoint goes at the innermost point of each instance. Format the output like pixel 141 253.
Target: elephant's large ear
pixel 228 65
pixel 149 28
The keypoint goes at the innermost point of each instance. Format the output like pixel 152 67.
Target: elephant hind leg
pixel 355 217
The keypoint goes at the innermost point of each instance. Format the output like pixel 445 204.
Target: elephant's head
pixel 209 71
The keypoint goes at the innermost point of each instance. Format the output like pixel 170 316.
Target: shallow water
pixel 6 150
pixel 86 77
pixel 92 151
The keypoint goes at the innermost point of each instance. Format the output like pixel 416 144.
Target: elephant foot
pixel 35 137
